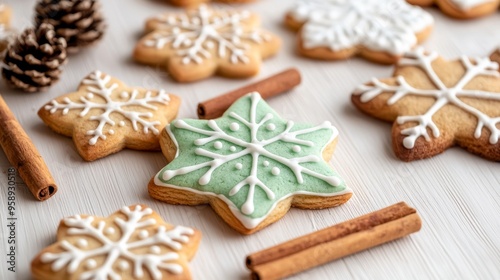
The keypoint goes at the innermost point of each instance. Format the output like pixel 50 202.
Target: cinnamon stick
pixel 267 88
pixel 334 242
pixel 24 156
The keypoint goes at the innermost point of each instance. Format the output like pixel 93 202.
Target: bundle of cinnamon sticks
pixel 335 242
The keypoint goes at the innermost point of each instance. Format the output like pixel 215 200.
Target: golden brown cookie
pixel 436 104
pixel 495 56
pixel 5 15
pixel 203 42
pixel 133 243
pixel 462 9
pixel 380 31
pixel 250 165
pixel 105 116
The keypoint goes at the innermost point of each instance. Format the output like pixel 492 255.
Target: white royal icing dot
pixel 121 123
pixel 234 126
pixel 111 132
pixel 155 249
pixel 110 230
pixel 123 265
pixel 218 145
pixel 90 95
pixel 239 166
pixel 296 149
pixel 271 127
pixel 91 263
pixel 124 94
pixel 143 234
pixel 232 149
pixel 275 171
pixel 265 163
pixel 82 243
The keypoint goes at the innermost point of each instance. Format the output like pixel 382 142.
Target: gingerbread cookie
pixel 495 56
pixel 381 31
pixel 462 9
pixel 202 42
pixel 7 35
pixel 250 165
pixel 105 116
pixel 133 243
pixel 436 104
pixel 185 3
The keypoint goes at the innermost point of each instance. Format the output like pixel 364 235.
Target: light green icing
pixel 227 176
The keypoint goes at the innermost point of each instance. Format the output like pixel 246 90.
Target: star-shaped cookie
pixel 202 42
pixel 462 9
pixel 133 243
pixel 250 165
pixel 381 31
pixel 436 104
pixel 105 116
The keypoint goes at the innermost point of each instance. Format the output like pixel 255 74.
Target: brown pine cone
pixel 33 62
pixel 80 22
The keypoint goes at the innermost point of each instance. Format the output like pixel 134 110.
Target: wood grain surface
pixel 457 194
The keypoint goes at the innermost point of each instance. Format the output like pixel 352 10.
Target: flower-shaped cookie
pixel 381 31
pixel 250 165
pixel 437 104
pixel 463 9
pixel 202 42
pixel 105 116
pixel 133 243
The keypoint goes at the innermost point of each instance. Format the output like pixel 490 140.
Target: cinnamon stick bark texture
pixel 267 88
pixel 335 242
pixel 24 156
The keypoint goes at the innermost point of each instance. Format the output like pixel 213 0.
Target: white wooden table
pixel 457 194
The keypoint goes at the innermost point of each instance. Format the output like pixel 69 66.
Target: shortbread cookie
pixel 202 42
pixel 186 3
pixel 381 31
pixel 462 9
pixel 7 35
pixel 133 243
pixel 105 116
pixel 250 165
pixel 436 104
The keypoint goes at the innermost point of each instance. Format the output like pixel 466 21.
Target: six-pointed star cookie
pixel 381 31
pixel 437 104
pixel 202 42
pixel 105 116
pixel 250 165
pixel 133 243
pixel 462 9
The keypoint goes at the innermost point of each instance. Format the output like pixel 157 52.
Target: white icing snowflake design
pixel 99 87
pixel 388 26
pixel 444 95
pixel 77 255
pixel 251 156
pixel 469 4
pixel 195 34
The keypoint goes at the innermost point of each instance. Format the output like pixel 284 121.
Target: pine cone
pixel 34 61
pixel 80 22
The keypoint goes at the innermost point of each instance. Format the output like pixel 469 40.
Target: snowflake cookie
pixel 133 243
pixel 202 42
pixel 104 116
pixel 250 165
pixel 436 104
pixel 462 9
pixel 381 31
